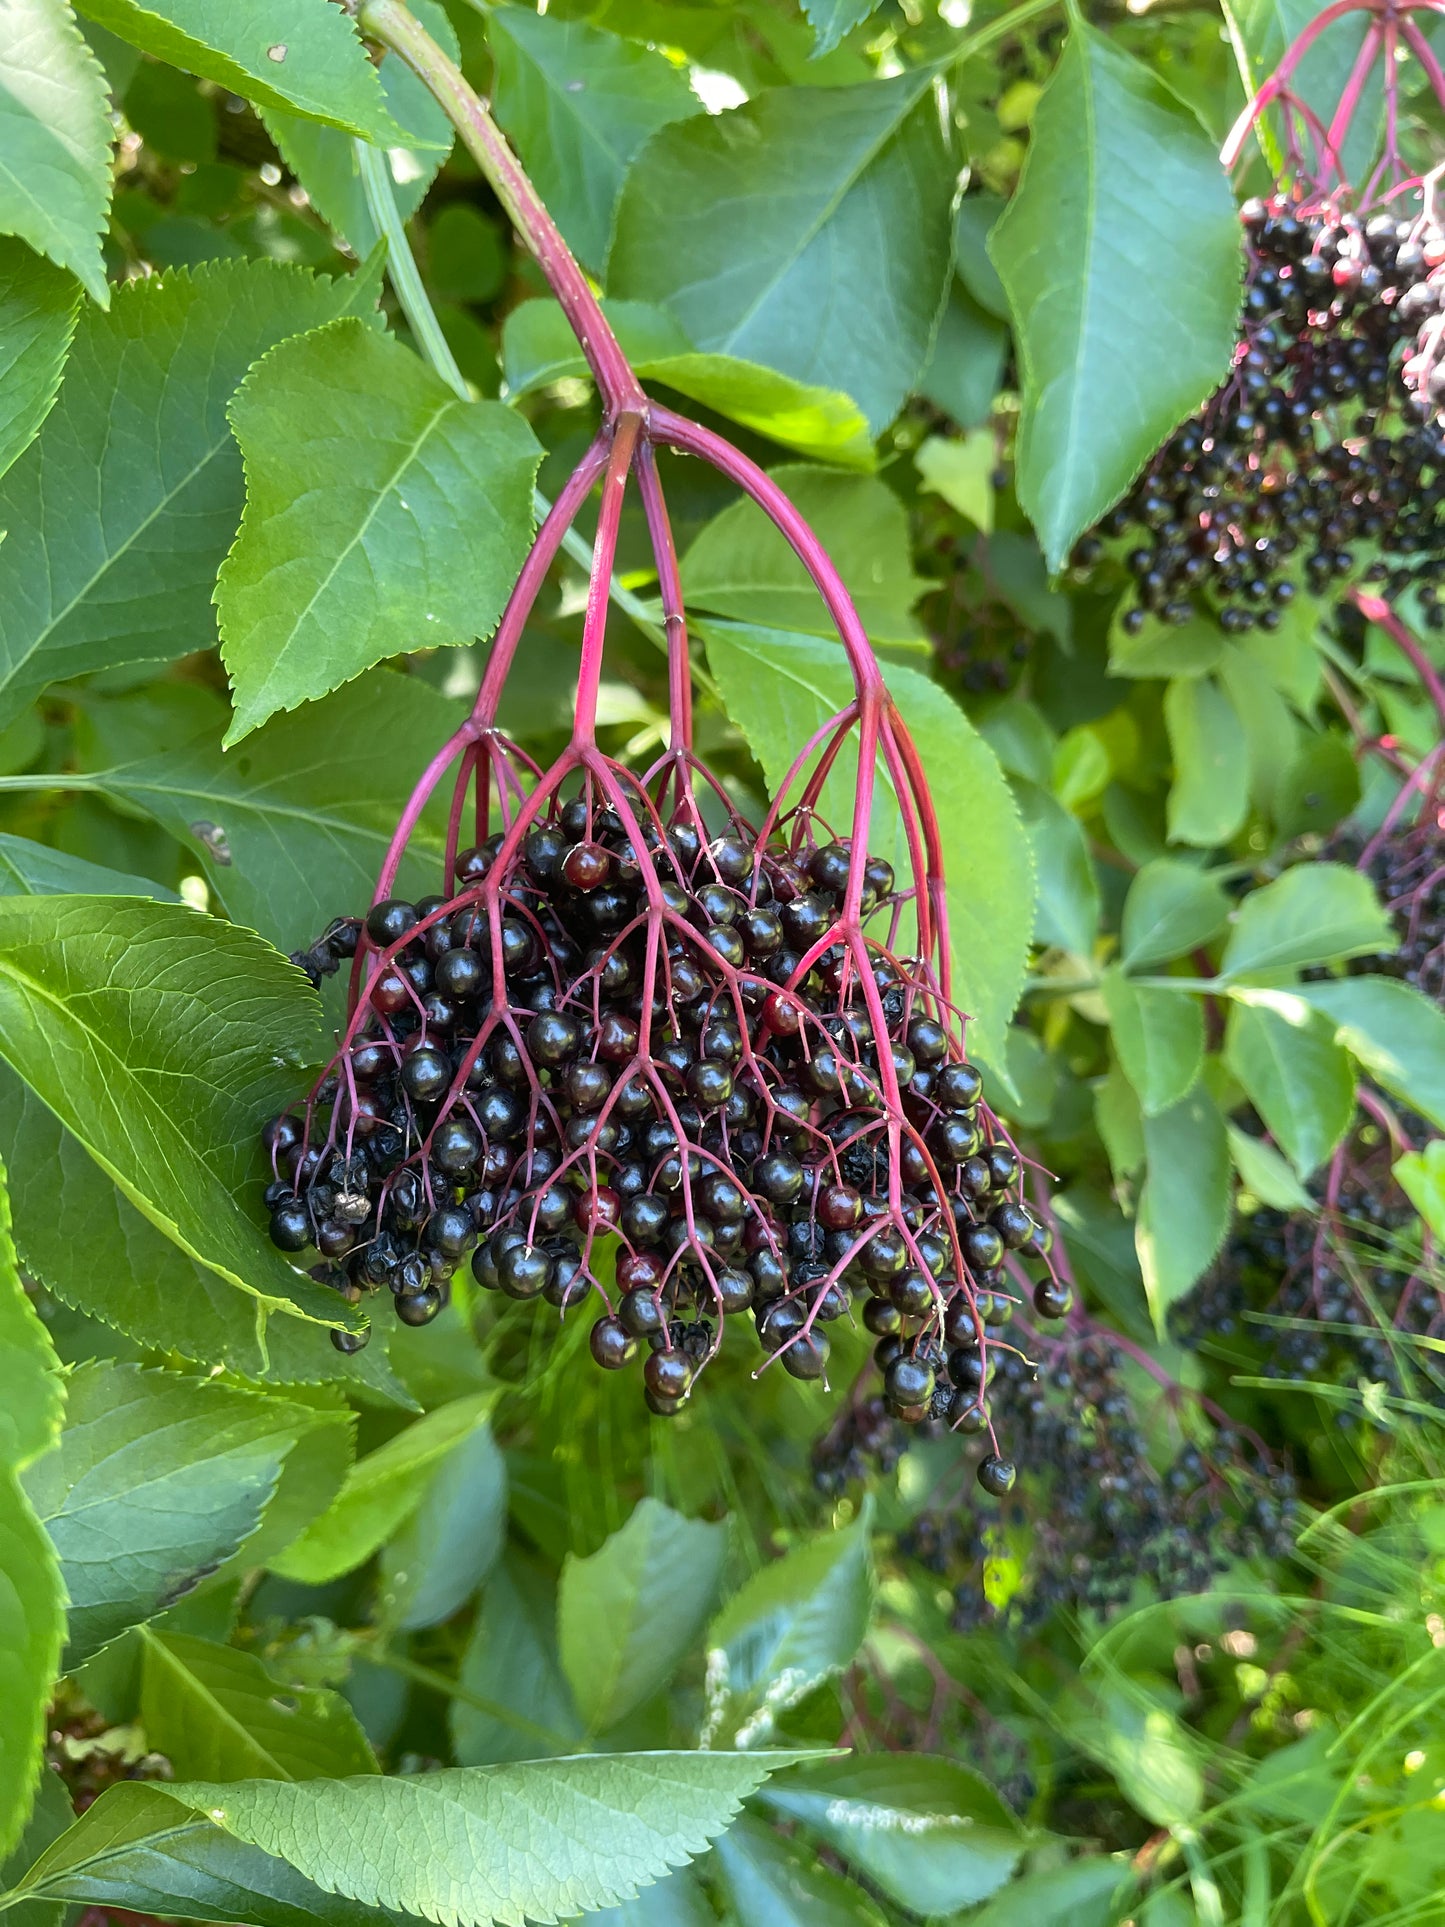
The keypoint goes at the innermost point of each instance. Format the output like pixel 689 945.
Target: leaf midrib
pixel 270 1768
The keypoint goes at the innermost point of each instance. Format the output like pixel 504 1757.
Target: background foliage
pixel 447 1628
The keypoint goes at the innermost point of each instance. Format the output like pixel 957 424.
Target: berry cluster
pixel 1312 466
pixel 616 1035
pixel 1407 867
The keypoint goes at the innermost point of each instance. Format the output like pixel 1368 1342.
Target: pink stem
pixel 1350 97
pixel 604 548
pixel 1375 609
pixel 669 579
pixel 1425 54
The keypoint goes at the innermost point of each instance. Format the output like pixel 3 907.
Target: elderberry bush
pixel 1313 466
pixel 510 1094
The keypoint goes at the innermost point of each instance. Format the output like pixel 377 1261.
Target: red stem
pixel 1376 610
pixel 604 548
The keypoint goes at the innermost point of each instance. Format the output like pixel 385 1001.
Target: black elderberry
pixel 350 1342
pixel 997 1476
pixel 290 1227
pixel 389 922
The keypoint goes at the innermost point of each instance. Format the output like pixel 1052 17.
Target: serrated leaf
pixel 808 230
pixel 398 522
pixel 1121 257
pixel 1297 1077
pixel 49 1818
pixel 1159 1038
pixel 578 103
pixel 301 54
pixel 1185 1201
pixel 451 1542
pixel 120 513
pixel 1394 1033
pixel 794 1624
pixel 95 1252
pixel 628 1614
pixel 779 688
pixel 511 1663
pixel 1209 798
pixel 38 305
pixel 32 1598
pixel 55 139
pixel 741 565
pixel 1316 913
pixel 833 19
pixel 217 1713
pixel 381 1491
pixel 928 1833
pixel 139 1849
pixel 1266 1174
pixel 1171 909
pixel 35 870
pixel 284 833
pixel 156 1480
pixel 771 1882
pixel 538 1841
pixel 677 1901
pixel 159 1037
pixel 538 347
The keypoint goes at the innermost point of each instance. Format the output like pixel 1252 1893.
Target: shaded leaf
pixel 1086 1893
pixel 1421 1176
pixel 780 688
pixel 120 513
pixel 300 54
pixel 381 1491
pixel 930 1834
pixel 541 1840
pixel 32 1598
pixel 156 1480
pixel 794 1624
pixel 628 1614
pixel 677 1901
pixel 38 304
pixel 771 1882
pixel 1315 913
pixel 511 1662
pixel 1296 1076
pixel 965 366
pixel 1266 1174
pixel 1394 1033
pixel 1159 1038
pixel 55 136
pixel 1120 255
pixel 218 1712
pixel 808 230
pixel 1068 908
pixel 832 19
pixel 451 1542
pixel 578 103
pixel 49 1818
pixel 1185 1203
pixel 1171 909
pixel 1209 798
pixel 33 869
pixel 159 1037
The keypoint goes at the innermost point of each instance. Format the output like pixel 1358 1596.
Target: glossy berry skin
pixel 807 1356
pixel 523 1271
pixel 1052 1300
pixel 389 922
pixel 908 1381
pixel 426 1073
pixel 349 1343
pixel 613 1346
pixel 419 1307
pixel 290 1227
pixel 640 1313
pixel 667 1374
pixel 997 1476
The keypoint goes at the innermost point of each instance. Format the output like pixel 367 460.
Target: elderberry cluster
pixel 1407 868
pixel 668 1055
pixel 1312 466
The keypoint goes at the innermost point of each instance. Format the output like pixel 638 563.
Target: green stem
pixel 401 268
pixel 453 1689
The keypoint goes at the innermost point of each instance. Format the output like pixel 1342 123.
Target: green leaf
pixel 1086 1893
pixel 121 512
pixel 794 1624
pixel 159 1038
pixel 38 305
pixel 1151 1754
pixel 381 1492
pixel 1421 1175
pixel 95 1252
pixel 741 565
pixel 1120 255
pixel 808 230
pixel 35 870
pixel 539 347
pixel 1317 788
pixel 772 1882
pixel 578 103
pixel 139 1849
pixel 1185 1202
pixel 512 1664
pixel 1159 1037
pixel 961 471
pixel 219 1714
pixel 32 1600
pixel 55 136
pixel 1171 909
pixel 627 1616
pixel 1209 799
pixel 780 688
pixel 49 1817
pixel 1296 1076
pixel 299 54
pixel 1264 1172
pixel 1316 913
pixel 833 19
pixel 157 1479
pixel 541 1840
pixel 282 829
pixel 1262 30
pixel 1394 1033
pixel 930 1834
pixel 398 522
pixel 965 366
pixel 1068 910
pixel 677 1901
pixel 451 1542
